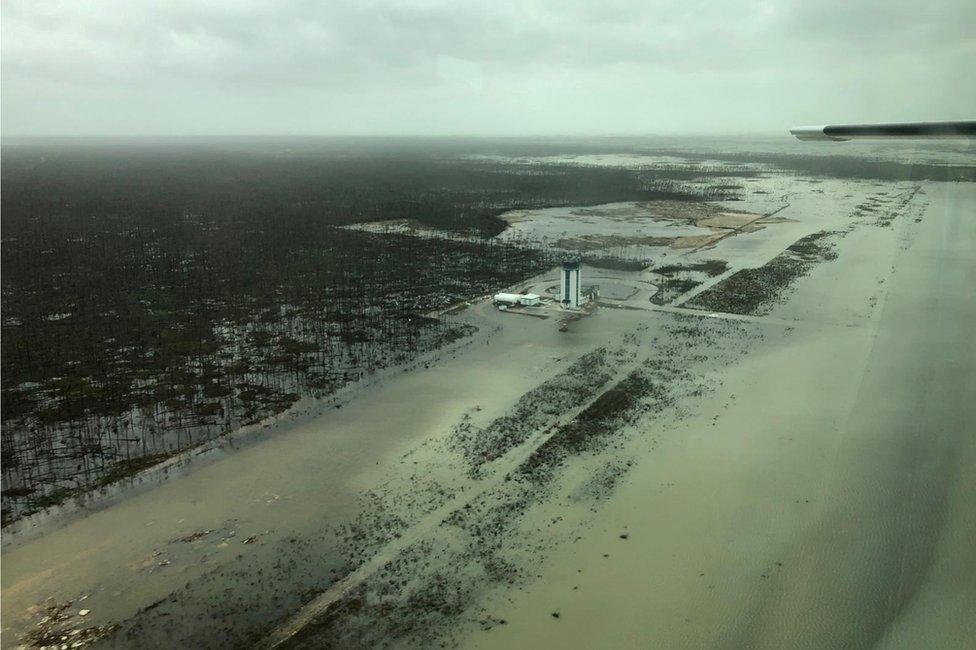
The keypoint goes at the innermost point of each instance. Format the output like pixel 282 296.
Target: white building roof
pixel 507 297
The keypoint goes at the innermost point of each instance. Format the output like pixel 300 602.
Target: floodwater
pixel 809 485
pixel 825 502
pixel 286 493
pixel 707 150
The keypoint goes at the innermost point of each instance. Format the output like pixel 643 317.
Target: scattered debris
pixel 194 536
pixel 56 626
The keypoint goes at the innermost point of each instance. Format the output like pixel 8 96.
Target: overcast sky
pixel 128 67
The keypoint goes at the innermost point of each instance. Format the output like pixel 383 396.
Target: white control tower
pixel 569 291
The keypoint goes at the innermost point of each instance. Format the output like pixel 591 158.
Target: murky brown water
pixel 814 494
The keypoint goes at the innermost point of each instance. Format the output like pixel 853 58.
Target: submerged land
pixel 758 436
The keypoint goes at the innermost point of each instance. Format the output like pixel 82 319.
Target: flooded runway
pixel 797 478
pixel 825 504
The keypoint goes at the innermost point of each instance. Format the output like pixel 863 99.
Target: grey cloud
pixel 431 66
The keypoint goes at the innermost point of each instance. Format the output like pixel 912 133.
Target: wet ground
pixel 790 476
pixel 823 501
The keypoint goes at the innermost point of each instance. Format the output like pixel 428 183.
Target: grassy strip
pixel 535 410
pixel 588 430
pixel 754 291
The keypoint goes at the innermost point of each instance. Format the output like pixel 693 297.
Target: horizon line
pixel 136 136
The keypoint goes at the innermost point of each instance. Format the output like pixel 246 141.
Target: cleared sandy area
pixel 632 228
pixel 656 476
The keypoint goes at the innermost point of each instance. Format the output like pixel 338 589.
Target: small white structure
pixel 507 298
pixel 569 287
pixel 512 299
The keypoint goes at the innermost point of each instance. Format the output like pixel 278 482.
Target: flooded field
pixel 730 448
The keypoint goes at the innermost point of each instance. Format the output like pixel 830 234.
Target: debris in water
pixel 194 536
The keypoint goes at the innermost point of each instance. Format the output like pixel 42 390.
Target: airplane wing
pixel 840 132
